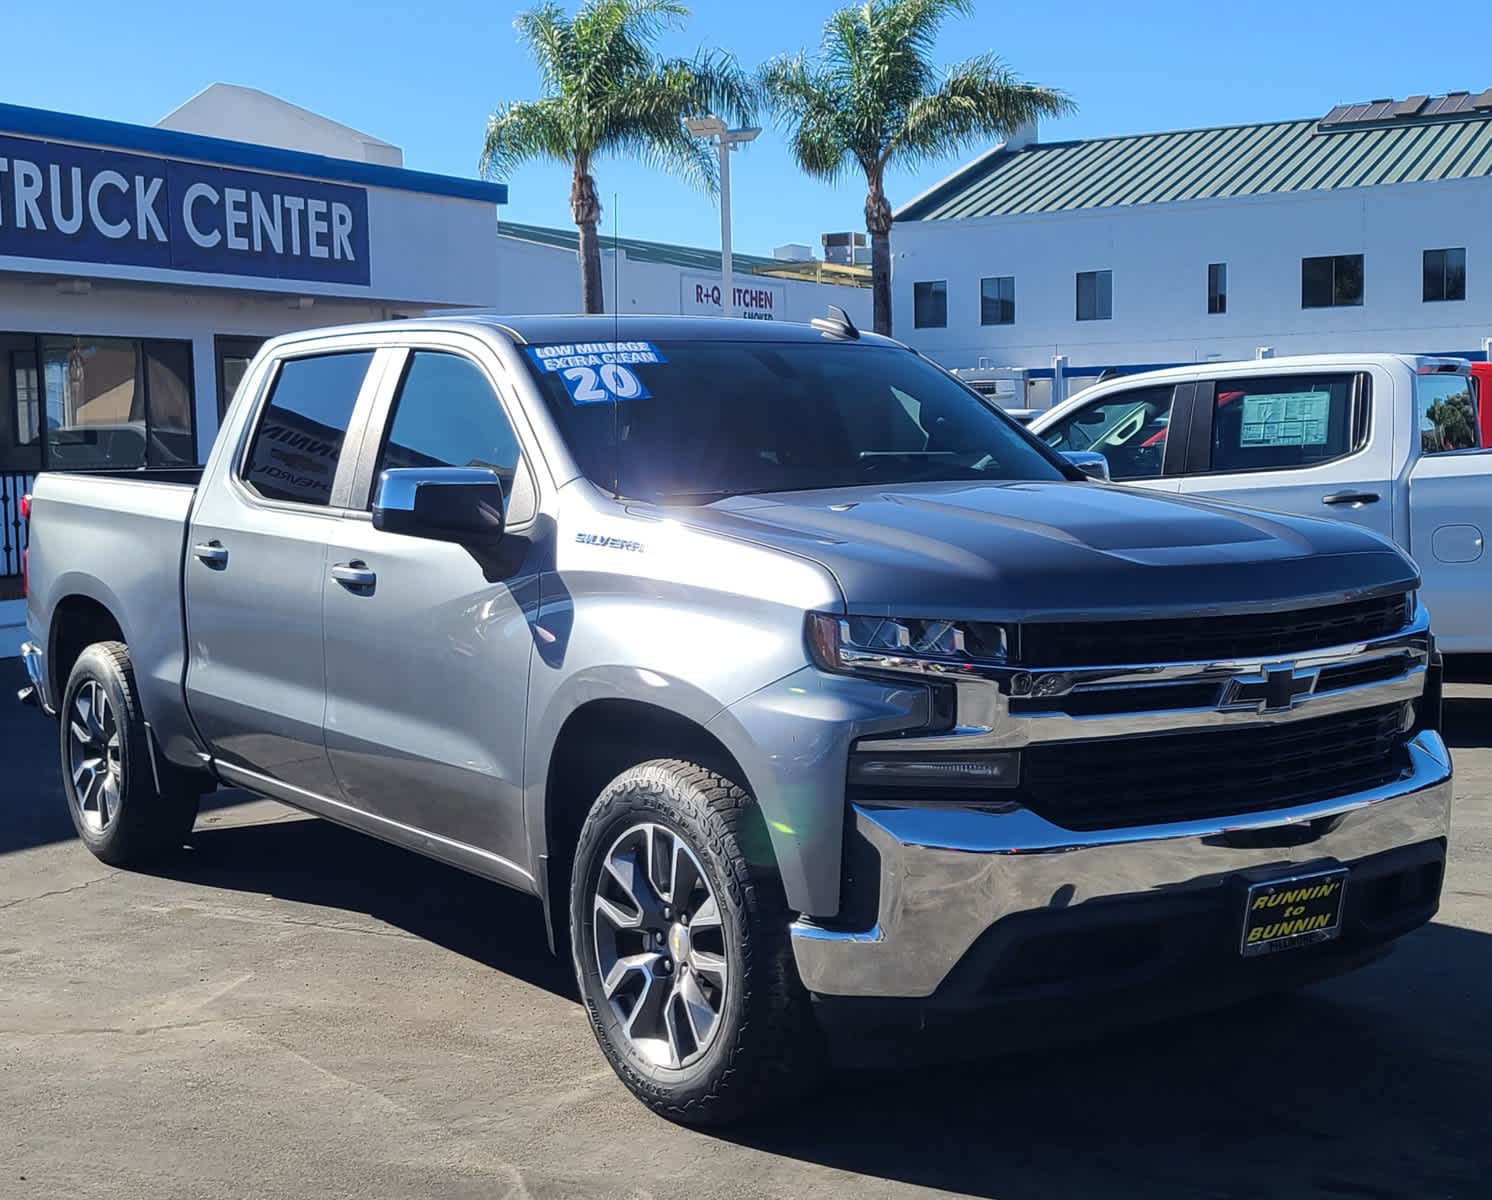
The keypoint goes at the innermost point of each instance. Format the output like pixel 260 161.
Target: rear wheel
pixel 681 947
pixel 107 777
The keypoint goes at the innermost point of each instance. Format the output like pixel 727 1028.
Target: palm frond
pixel 522 131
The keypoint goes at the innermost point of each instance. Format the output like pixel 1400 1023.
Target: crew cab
pixel 810 695
pixel 1385 441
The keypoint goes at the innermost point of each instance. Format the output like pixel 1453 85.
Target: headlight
pixel 912 646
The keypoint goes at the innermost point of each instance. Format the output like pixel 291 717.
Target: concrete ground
pixel 293 1010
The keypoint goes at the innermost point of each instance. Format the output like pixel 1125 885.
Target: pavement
pixel 293 1010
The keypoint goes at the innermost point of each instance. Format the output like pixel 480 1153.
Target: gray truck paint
pixel 428 713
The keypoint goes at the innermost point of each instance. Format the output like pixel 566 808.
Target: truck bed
pixel 126 527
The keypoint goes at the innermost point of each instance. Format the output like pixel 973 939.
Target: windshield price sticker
pixel 599 372
pixel 1286 419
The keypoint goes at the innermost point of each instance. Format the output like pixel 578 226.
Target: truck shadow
pixel 311 861
pixel 1373 1085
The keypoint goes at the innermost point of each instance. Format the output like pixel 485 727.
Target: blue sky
pixel 424 76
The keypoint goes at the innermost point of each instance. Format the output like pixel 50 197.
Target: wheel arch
pixel 597 741
pixel 78 620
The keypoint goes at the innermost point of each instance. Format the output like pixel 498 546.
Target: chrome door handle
pixel 1351 498
pixel 355 576
pixel 214 554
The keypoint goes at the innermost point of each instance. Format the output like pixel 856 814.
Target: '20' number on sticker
pixel 611 381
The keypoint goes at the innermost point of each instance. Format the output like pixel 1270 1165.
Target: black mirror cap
pixel 444 504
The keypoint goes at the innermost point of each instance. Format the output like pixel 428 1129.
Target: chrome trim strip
pixel 472 858
pixel 1003 860
pixel 35 662
pixel 985 721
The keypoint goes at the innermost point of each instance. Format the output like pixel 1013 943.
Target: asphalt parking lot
pixel 294 1010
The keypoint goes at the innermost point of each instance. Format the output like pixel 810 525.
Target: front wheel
pixel 680 937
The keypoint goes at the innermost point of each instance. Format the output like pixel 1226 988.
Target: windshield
pixel 692 421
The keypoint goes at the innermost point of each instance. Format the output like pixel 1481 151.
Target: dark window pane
pixel 997 300
pixel 449 416
pixel 1347 286
pixel 1315 283
pixel 95 402
pixel 1455 274
pixel 21 424
pixel 1217 288
pixel 1282 421
pixel 1129 429
pixel 727 417
pixel 930 305
pixel 168 368
pixel 1095 295
pixel 299 439
pixel 1434 275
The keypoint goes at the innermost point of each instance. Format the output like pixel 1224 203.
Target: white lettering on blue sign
pixel 599 372
pixel 78 204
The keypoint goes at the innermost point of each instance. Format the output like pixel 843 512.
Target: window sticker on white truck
pixel 1286 419
pixel 599 372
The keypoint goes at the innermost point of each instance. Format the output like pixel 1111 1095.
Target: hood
pixel 1059 551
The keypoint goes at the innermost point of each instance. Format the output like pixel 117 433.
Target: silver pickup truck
pixel 828 713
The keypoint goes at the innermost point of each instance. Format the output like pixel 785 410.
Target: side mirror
pixel 1089 462
pixel 445 504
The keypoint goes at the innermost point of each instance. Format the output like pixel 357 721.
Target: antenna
pixel 837 324
pixel 616 336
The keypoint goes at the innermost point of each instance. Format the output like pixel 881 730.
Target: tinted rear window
pixel 298 444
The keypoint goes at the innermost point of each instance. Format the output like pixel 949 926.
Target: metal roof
pixel 635 248
pixel 1203 164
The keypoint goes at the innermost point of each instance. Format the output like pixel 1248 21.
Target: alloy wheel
pixel 660 946
pixel 93 750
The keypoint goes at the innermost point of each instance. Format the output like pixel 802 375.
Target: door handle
pixel 214 554
pixel 355 576
pixel 1351 498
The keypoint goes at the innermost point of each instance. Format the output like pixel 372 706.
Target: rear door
pixel 1450 514
pixel 255 562
pixel 1314 442
pixel 427 660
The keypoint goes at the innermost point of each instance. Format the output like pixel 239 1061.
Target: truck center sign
pixel 76 204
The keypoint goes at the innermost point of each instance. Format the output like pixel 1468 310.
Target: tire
pixel 762 1046
pixel 107 775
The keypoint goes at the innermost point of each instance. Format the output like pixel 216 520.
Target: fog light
pixel 999 770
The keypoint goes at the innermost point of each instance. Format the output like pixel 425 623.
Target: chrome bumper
pixel 948 874
pixel 36 671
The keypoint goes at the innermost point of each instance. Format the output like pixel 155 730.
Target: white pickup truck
pixel 1388 441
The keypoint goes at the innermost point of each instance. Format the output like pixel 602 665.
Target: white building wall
pixel 1159 255
pixel 534 278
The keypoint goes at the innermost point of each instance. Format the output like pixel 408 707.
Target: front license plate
pixel 1285 913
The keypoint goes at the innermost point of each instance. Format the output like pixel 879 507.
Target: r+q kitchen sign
pixel 75 204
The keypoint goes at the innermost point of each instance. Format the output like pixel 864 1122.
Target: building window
pixel 1217 288
pixel 1445 274
pixel 930 304
pixel 997 300
pixel 74 402
pixel 1335 281
pixel 1095 295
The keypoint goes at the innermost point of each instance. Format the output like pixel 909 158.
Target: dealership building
pixel 1369 228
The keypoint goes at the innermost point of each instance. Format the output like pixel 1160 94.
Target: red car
pixel 1482 374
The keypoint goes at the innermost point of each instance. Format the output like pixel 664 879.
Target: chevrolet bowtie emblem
pixel 1279 689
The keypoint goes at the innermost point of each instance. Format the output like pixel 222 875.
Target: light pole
pixel 715 131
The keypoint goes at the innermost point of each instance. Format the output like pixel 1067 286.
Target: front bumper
pixel 949 878
pixel 36 670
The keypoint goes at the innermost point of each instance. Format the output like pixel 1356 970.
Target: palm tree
pixel 607 92
pixel 871 97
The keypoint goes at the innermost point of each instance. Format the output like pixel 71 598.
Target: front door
pixel 1132 428
pixel 428 648
pixel 255 562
